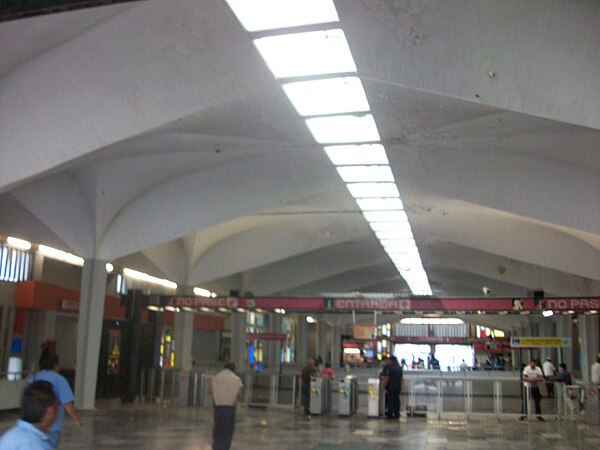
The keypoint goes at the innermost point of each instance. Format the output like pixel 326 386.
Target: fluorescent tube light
pixel 398 243
pixel 380 204
pixel 260 15
pixel 60 255
pixel 327 96
pixel 365 173
pixel 302 54
pixel 365 154
pixel 148 278
pixel 202 292
pixel 21 244
pixel 368 190
pixel 343 129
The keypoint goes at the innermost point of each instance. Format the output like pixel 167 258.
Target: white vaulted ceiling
pixel 151 134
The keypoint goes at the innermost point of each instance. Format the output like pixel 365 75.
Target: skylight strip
pixel 327 96
pixel 304 54
pixel 380 204
pixel 260 15
pixel 365 154
pixel 385 216
pixel 365 173
pixel 344 129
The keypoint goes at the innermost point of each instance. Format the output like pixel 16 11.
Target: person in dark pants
pixel 226 388
pixel 308 371
pixel 532 375
pixel 392 382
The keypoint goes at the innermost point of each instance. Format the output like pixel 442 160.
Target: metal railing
pixel 437 396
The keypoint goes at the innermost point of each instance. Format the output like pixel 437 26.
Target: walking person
pixel 49 371
pixel 39 408
pixel 532 375
pixel 392 382
pixel 227 389
pixel 549 373
pixel 308 371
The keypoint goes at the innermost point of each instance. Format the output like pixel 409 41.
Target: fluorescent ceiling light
pixel 109 267
pixel 310 319
pixel 364 154
pixel 365 173
pixel 302 54
pixel 389 226
pixel 21 244
pixel 60 255
pixel 385 216
pixel 202 292
pixel 343 129
pixel 327 96
pixel 380 204
pixel 431 321
pixel 148 278
pixel 547 313
pixel 260 15
pixel 399 250
pixel 394 234
pixel 367 190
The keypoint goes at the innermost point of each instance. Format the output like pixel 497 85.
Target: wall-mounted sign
pixel 371 304
pixel 362 331
pixel 69 305
pixel 534 342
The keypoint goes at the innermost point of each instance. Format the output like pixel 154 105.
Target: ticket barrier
pixel 348 396
pixel 320 395
pixel 376 398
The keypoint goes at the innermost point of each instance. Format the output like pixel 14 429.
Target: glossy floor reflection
pixel 150 426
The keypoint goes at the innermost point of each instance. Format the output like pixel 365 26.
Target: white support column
pixel 545 328
pixel 564 328
pixel 89 332
pixel 336 344
pixel 321 347
pixel 588 343
pixel 238 341
pixel 184 334
pixel 301 340
pixel 274 347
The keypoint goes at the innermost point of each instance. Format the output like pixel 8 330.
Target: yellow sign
pixel 527 342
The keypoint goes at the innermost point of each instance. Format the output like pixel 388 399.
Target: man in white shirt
pixel 226 388
pixel 596 372
pixel 549 372
pixel 532 375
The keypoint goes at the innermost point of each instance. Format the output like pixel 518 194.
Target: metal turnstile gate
pixel 376 398
pixel 320 395
pixel 348 396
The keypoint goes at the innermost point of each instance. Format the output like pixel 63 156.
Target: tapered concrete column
pixel 301 339
pixel 545 328
pixel 336 344
pixel 588 343
pixel 89 332
pixel 564 328
pixel 274 347
pixel 322 347
pixel 184 333
pixel 238 341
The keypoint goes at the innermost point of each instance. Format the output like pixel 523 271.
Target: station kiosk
pixel 320 395
pixel 348 396
pixel 376 398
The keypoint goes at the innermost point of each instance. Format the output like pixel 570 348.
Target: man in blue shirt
pixel 49 372
pixel 39 409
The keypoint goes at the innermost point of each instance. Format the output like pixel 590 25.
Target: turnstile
pixel 320 395
pixel 348 396
pixel 376 398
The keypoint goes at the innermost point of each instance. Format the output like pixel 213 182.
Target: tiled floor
pixel 150 426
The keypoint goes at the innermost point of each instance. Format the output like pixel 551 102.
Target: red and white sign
pixel 272 336
pixel 371 304
pixel 69 305
pixel 207 302
pixel 576 304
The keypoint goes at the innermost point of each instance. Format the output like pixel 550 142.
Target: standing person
pixel 226 388
pixel 549 373
pixel 327 371
pixel 532 375
pixel 392 382
pixel 39 408
pixel 308 371
pixel 49 368
pixel 595 372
